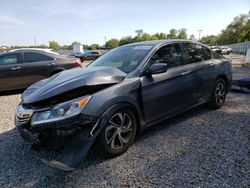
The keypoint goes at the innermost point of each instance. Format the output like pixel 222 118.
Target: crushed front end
pixel 59 126
pixel 54 134
pixel 52 113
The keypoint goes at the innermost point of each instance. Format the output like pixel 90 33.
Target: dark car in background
pixel 23 67
pixel 119 95
pixel 90 55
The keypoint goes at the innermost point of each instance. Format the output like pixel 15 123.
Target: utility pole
pixel 35 41
pixel 105 38
pixel 200 30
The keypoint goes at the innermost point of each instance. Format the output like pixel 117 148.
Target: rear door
pixel 170 92
pixel 11 72
pixel 37 65
pixel 199 59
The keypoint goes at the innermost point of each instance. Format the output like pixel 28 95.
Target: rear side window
pixel 217 56
pixel 196 53
pixel 170 54
pixel 35 57
pixel 8 59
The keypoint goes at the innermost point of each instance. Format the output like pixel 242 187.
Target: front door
pixel 167 93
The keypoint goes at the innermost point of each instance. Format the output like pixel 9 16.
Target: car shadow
pixel 21 166
pixel 166 124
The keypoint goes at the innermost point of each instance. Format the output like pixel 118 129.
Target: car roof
pixel 159 42
pixel 47 50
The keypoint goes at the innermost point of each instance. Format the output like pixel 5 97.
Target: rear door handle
pixel 211 64
pixel 184 73
pixel 15 68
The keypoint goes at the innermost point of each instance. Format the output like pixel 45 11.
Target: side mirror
pixel 157 68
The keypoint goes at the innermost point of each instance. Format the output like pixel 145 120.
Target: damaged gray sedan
pixel 119 95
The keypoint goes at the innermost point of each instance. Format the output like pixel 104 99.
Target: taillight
pixel 78 63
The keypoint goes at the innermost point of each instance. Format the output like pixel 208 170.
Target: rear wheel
pixel 218 94
pixel 119 133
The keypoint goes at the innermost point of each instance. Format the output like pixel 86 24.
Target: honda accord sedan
pixel 118 95
pixel 22 67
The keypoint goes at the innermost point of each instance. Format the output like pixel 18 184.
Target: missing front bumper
pixel 82 132
pixel 72 156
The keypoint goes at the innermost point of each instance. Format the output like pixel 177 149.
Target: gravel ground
pixel 201 148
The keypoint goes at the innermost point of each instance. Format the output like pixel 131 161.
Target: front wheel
pixel 218 94
pixel 119 132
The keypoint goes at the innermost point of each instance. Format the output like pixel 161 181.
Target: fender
pixel 72 156
pixel 112 109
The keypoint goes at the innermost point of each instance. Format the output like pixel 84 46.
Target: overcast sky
pixel 89 21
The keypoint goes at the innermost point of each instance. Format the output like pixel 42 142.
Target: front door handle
pixel 211 64
pixel 15 68
pixel 184 73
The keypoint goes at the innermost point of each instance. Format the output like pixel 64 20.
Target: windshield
pixel 125 58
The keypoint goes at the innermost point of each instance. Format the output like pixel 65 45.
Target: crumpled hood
pixel 70 80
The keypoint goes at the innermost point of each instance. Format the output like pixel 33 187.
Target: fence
pixel 240 48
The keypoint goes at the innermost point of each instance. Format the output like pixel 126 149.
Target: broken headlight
pixel 60 111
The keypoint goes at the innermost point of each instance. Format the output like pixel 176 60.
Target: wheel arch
pixel 224 77
pixel 138 115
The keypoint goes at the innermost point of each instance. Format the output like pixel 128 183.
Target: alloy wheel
pixel 118 130
pixel 220 93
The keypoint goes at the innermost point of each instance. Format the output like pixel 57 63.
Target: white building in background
pixel 248 56
pixel 78 49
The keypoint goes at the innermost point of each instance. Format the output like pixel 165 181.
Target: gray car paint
pixel 152 97
pixel 186 90
pixel 176 91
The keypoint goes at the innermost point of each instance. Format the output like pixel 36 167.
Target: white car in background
pixel 226 50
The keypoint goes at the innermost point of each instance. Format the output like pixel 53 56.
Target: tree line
pixel 142 36
pixel 56 46
pixel 237 31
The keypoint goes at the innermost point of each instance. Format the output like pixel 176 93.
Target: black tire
pixel 218 94
pixel 117 137
pixel 228 53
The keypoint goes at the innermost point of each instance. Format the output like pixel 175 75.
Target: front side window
pixel 170 54
pixel 125 58
pixel 196 53
pixel 8 59
pixel 35 57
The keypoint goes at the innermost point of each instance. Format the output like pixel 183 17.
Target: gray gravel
pixel 201 148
